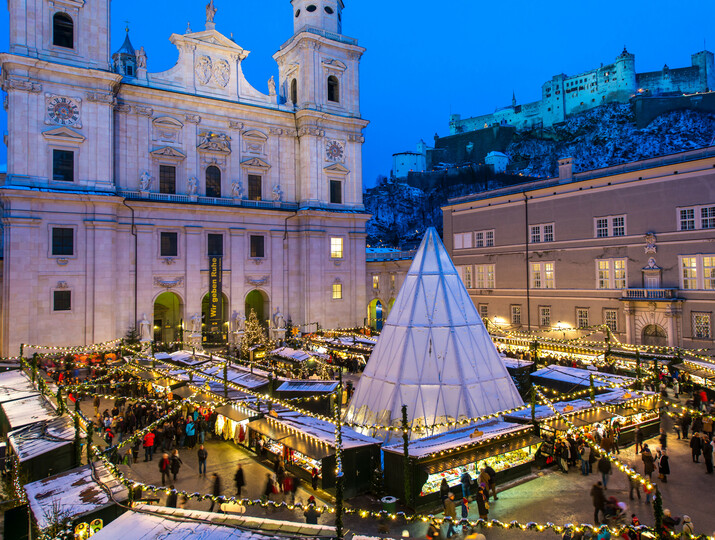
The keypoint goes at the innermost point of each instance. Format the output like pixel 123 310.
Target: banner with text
pixel 215 297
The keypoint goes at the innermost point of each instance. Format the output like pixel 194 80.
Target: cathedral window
pixel 62 241
pixel 336 192
pixel 258 247
pixel 254 187
pixel 63 31
pixel 294 91
pixel 215 245
pixel 62 301
pixel 169 246
pixel 333 89
pixel 63 165
pixel 167 179
pixel 213 182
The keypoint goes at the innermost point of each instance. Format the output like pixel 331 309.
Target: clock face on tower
pixel 334 151
pixel 63 111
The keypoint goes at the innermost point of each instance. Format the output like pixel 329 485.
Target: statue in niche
pixel 278 320
pixel 238 321
pixel 210 12
pixel 145 181
pixel 277 194
pixel 193 185
pixel 196 323
pixel 272 86
pixel 237 190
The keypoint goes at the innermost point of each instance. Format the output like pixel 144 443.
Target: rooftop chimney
pixel 565 170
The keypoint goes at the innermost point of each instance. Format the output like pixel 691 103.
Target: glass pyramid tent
pixel 434 354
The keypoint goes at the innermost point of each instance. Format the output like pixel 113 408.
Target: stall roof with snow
pixel 567 379
pixel 154 522
pixel 22 412
pixel 312 387
pixel 41 438
pixel 74 492
pixel 15 385
pixel 434 354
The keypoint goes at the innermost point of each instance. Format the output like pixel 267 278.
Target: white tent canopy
pixel 434 354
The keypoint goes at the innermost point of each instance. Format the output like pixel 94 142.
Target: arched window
pixel 63 31
pixel 213 182
pixel 294 91
pixel 333 89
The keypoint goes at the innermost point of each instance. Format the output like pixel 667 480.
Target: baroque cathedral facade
pixel 131 195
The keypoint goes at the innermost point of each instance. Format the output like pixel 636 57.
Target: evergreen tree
pixel 132 336
pixel 254 334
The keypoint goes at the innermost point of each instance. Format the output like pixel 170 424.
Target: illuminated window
pixel 515 314
pixel 611 273
pixel 337 291
pixel 484 276
pixel 545 316
pixel 336 248
pixel 689 267
pixel 467 273
pixel 484 311
pixel 701 325
pixel 543 275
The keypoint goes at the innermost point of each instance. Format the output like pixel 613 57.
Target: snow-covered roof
pixel 15 385
pixel 37 439
pixel 381 250
pixel 75 492
pixel 578 376
pixel 515 363
pixel 22 412
pixel 237 376
pixel 434 354
pixel 318 386
pixel 292 354
pixel 147 522
pixel 472 435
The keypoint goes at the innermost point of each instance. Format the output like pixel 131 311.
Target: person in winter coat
pixel 585 453
pixel 599 501
pixel 604 467
pixel 664 465
pixel 216 492
pixel 685 424
pixel 663 439
pixel 443 490
pixel 466 481
pixel 638 439
pixel 688 529
pixel 314 476
pixel 148 446
pixel 203 456
pixel 450 511
pixel 164 468
pixel 696 446
pixel 669 521
pixel 311 515
pixel 708 447
pixel 240 480
pixel 176 463
pixel 171 498
pixel 648 462
pixel 270 487
pixel 482 500
pixel 492 480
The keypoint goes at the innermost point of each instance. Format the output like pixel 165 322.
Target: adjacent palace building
pixel 125 188
pixel 631 247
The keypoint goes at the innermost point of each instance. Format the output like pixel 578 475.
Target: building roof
pixel 22 412
pixel 313 387
pixel 126 47
pixel 38 439
pixel 434 354
pixel 579 377
pixel 154 522
pixel 15 385
pixel 77 492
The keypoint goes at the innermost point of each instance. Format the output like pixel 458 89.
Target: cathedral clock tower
pixel 319 78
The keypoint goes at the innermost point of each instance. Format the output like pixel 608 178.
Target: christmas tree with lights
pixel 254 334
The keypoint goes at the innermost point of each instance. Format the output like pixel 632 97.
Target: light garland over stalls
pixel 107 345
pixel 619 465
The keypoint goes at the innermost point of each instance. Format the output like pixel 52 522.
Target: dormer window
pixel 333 89
pixel 63 31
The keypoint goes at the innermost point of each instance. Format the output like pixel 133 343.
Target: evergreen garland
pixel 658 513
pixel 77 438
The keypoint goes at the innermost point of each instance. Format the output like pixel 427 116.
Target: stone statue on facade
pixel 278 320
pixel 196 323
pixel 141 58
pixel 145 181
pixel 210 12
pixel 193 185
pixel 277 194
pixel 144 329
pixel 272 86
pixel 237 190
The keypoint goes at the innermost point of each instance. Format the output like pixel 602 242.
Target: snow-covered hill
pixel 598 138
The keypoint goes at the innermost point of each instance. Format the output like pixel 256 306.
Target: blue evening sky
pixel 426 59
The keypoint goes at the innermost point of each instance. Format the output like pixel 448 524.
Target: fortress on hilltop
pixel 617 82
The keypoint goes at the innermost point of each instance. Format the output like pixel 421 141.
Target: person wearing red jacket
pixel 148 446
pixel 164 465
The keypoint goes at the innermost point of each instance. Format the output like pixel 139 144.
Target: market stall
pixel 316 396
pixel 232 422
pixel 507 447
pixel 44 448
pixel 16 385
pixel 23 412
pixel 307 443
pixel 566 379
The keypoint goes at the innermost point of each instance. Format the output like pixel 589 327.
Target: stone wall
pixel 648 108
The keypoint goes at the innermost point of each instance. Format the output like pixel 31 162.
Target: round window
pixel 311 8
pixel 329 10
pixel 297 14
